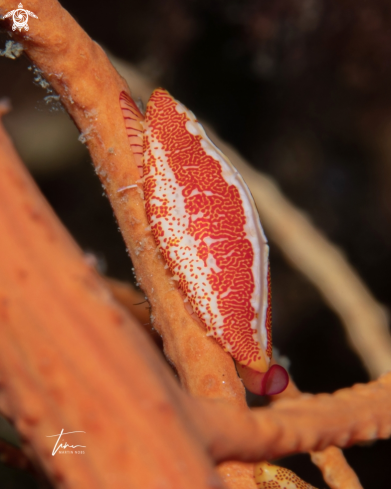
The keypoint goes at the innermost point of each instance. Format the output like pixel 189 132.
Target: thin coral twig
pixel 129 297
pixel 335 469
pixel 309 423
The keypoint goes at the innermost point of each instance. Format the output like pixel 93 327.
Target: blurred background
pixel 302 89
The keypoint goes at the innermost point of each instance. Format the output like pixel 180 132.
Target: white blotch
pixel 197 216
pixel 194 192
pixel 226 293
pixel 192 128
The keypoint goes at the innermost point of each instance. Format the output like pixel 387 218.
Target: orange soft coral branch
pixel 337 473
pixel 135 302
pixel 357 414
pixel 236 475
pixel 331 461
pixel 130 298
pixel 72 359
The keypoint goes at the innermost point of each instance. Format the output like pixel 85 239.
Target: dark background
pixel 302 89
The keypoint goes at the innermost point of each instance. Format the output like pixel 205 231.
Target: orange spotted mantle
pixel 205 223
pixel 268 476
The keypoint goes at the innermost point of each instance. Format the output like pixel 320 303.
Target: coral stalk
pixel 336 471
pixel 308 423
pixel 331 461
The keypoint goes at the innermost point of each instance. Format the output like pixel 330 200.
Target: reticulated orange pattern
pixel 192 209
